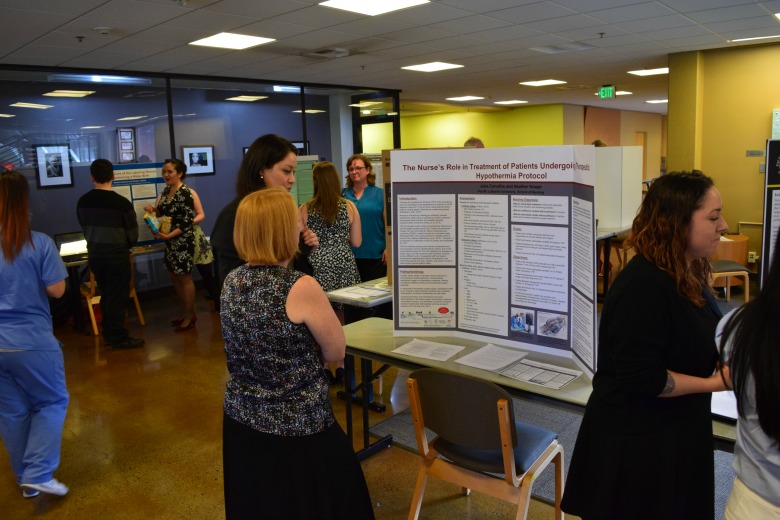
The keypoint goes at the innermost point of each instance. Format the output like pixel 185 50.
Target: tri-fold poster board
pixel 497 244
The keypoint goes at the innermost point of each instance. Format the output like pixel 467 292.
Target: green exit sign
pixel 607 91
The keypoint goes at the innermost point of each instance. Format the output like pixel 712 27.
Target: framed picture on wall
pixel 126 144
pixel 199 159
pixel 53 166
pixel 303 147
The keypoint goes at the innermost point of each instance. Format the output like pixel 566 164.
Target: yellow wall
pixel 738 89
pixel 526 126
pixel 652 126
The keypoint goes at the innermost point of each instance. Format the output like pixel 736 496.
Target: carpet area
pixel 566 424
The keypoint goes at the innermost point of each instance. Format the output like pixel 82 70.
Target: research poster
pixel 497 244
pixel 140 184
pixel 771 204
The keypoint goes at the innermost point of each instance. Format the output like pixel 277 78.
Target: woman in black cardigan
pixel 645 447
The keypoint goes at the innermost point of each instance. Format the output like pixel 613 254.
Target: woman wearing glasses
pixel 370 202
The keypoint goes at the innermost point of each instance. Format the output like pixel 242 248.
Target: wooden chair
pixel 726 269
pixel 621 248
pixel 90 292
pixel 476 435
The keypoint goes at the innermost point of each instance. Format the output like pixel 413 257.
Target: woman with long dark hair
pixel 645 446
pixel 750 344
pixel 33 395
pixel 270 161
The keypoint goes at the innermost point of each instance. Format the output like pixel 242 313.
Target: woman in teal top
pixel 370 202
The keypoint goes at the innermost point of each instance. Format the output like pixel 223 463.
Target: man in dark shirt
pixel 111 229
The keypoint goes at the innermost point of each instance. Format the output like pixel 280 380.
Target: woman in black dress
pixel 645 447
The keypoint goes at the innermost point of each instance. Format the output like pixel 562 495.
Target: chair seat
pixel 531 443
pixel 724 266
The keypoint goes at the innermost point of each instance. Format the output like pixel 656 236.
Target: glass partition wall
pixel 60 121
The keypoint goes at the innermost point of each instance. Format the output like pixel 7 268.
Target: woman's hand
pixel 149 208
pixel 163 236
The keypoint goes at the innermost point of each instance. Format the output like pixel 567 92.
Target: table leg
pixel 367 379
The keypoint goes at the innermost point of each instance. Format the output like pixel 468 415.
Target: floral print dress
pixel 333 261
pixel 179 251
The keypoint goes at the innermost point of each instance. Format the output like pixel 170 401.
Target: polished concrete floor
pixel 143 440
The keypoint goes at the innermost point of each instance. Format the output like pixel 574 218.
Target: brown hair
pixel 371 178
pixel 266 229
pixel 327 191
pixel 178 166
pixel 14 213
pixel 661 230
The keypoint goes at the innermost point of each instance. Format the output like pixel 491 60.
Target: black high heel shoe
pixel 190 325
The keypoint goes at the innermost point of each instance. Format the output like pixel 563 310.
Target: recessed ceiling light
pixel 246 98
pixel 464 98
pixel 542 83
pixel 510 102
pixel 656 101
pixel 131 118
pixel 433 66
pixel 372 8
pixel 288 90
pixel 756 38
pixel 232 41
pixel 31 105
pixel 7 115
pixel 649 72
pixel 70 93
pixel 310 111
pixel 618 93
pixel 91 127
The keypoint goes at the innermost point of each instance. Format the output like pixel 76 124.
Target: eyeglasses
pixel 356 169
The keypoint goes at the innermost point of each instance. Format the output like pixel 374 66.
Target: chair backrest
pixel 462 409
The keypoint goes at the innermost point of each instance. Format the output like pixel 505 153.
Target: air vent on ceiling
pixel 564 47
pixel 329 54
pixel 573 87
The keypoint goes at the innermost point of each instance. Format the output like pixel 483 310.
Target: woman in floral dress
pixel 336 222
pixel 176 202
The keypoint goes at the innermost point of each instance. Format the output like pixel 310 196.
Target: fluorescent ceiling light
pixel 366 112
pixel 374 7
pixel 232 41
pixel 365 104
pixel 70 93
pixel 618 93
pixel 542 83
pixel 756 38
pixel 510 102
pixel 464 98
pixel 91 127
pixel 656 101
pixel 310 111
pixel 246 98
pixel 31 105
pixel 7 115
pixel 288 90
pixel 649 72
pixel 434 66
pixel 131 118
pixel 94 78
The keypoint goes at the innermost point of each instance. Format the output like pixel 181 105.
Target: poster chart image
pixel 497 244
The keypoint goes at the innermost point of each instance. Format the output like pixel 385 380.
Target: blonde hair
pixel 266 229
pixel 327 191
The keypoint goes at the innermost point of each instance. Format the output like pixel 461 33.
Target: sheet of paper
pixel 362 291
pixel 491 357
pixel 724 404
pixel 429 350
pixel 549 376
